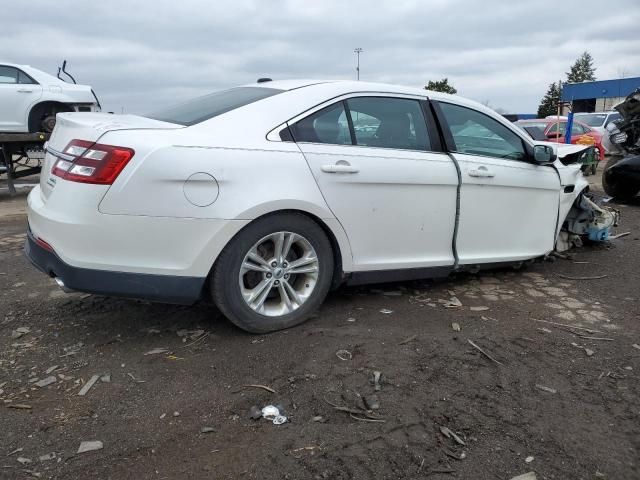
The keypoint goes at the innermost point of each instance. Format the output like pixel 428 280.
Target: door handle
pixel 339 168
pixel 481 171
pixel 24 90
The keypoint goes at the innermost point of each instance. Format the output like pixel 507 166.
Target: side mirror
pixel 543 154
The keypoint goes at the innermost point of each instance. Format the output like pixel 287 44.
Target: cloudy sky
pixel 142 54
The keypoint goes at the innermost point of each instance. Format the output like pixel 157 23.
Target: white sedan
pixel 263 197
pixel 31 98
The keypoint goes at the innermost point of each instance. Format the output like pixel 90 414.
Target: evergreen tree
pixel 582 69
pixel 441 86
pixel 549 104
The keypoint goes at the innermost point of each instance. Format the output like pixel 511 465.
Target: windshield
pixel 592 119
pixel 203 108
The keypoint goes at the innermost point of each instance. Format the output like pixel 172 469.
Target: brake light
pixel 92 162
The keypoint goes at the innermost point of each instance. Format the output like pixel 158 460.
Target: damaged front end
pixel 586 221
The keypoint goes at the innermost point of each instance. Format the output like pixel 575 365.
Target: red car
pixel 553 130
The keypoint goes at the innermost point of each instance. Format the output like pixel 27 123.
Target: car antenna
pixel 64 67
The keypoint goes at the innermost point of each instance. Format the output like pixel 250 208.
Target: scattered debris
pixel 478 309
pixel 544 330
pixel 50 369
pixel 394 293
pixel 526 476
pixel 351 319
pixel 355 413
pixel 176 414
pixel 134 378
pixel 207 430
pixel 344 355
pixel 451 434
pixel 317 418
pixel 577 327
pixel 483 352
pixel 87 386
pixel 619 235
pixel 263 387
pixel 595 277
pixel 636 346
pixel 189 334
pixel 271 412
pixel 529 459
pixel 587 351
pixel 17 450
pixel 455 327
pixel 453 302
pixel 386 311
pixel 19 332
pixel 46 381
pixel 376 381
pixel 48 456
pixel 157 351
pixel 408 339
pixel 19 406
pixel 23 460
pixel 106 378
pixel 90 446
pixel 162 416
pixel 199 339
pixel 371 402
pixel 546 389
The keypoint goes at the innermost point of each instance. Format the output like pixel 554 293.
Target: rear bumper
pixel 160 288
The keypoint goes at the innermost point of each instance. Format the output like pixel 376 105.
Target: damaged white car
pixel 265 196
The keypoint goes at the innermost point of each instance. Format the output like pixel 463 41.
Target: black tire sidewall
pixel 225 288
pixel 617 189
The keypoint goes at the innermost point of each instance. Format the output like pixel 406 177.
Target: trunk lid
pixel 90 127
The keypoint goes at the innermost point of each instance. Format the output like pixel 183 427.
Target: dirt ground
pixel 562 402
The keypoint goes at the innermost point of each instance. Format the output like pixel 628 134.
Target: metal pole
pixel 358 51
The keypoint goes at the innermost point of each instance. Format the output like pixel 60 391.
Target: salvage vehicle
pixel 599 121
pixel 265 196
pixel 621 177
pixel 554 129
pixel 31 98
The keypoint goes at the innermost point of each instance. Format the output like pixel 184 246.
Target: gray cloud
pixel 146 54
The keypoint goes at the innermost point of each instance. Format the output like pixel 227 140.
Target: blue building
pixel 598 96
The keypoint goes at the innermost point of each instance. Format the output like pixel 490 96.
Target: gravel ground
pixel 561 402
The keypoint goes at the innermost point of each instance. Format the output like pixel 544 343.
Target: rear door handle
pixel 481 171
pixel 24 90
pixel 339 168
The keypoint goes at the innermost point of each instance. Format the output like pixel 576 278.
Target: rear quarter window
pixel 203 108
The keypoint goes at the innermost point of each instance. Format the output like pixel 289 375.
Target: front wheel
pixel 274 273
pixel 616 186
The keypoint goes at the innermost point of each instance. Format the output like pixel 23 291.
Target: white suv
pixel 30 99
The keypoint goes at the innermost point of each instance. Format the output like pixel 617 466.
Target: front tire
pixel 273 274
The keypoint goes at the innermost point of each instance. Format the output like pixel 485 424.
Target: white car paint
pixel 31 88
pixel 601 127
pixel 188 191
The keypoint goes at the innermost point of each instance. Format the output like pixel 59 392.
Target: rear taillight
pixel 92 162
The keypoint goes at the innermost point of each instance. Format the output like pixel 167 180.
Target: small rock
pixel 317 418
pixel 372 402
pixel 24 460
pixel 176 414
pixel 255 412
pixel 546 389
pixel 19 332
pixel 453 302
pixel 46 381
pixel 50 369
pixel 628 367
pixel 526 476
pixel 589 352
pixel 455 326
pixel 48 456
pixel 207 430
pixel 478 309
pixel 636 346
pixel 386 311
pixel 529 459
pixel 351 319
pixel 162 416
pixel 157 351
pixel 90 446
pixel 106 378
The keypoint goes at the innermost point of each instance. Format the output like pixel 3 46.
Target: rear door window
pixel 329 125
pixel 385 122
pixel 8 74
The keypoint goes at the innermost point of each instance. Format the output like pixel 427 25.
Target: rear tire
pixel 617 188
pixel 260 290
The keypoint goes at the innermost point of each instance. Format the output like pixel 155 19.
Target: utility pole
pixel 357 52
